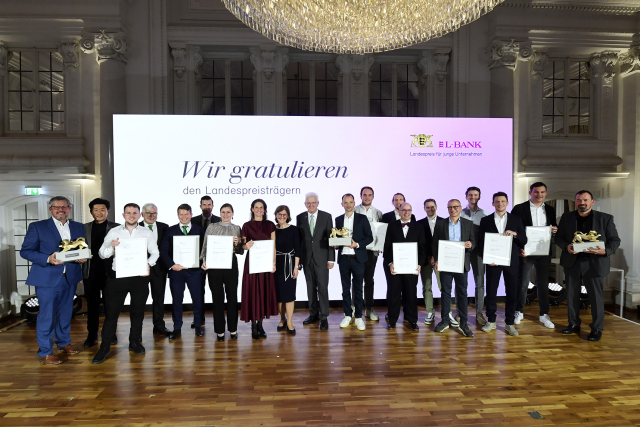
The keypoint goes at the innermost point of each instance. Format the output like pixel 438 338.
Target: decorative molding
pixel 630 62
pixel 423 65
pixel 361 64
pixel 285 64
pixel 538 61
pixel 29 162
pixel 179 55
pixel 602 66
pixel 196 56
pixel 506 53
pixel 270 92
pixel 70 54
pixel 106 45
pixel 71 60
pixel 596 154
pixel 613 8
pixel 340 67
pixel 3 60
pixel 441 59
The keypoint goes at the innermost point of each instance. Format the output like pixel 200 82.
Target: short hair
pixel 263 204
pixel 206 198
pixel 226 205
pixel 472 189
pixel 99 201
pixel 366 188
pixel 149 205
pixel 131 205
pixel 283 208
pixel 348 194
pixel 500 194
pixel 583 192
pixel 429 200
pixel 398 194
pixel 306 196
pixel 455 200
pixel 184 207
pixel 59 199
pixel 537 184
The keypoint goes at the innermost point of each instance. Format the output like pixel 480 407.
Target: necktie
pixel 184 230
pixel 150 227
pixel 312 224
pixel 206 223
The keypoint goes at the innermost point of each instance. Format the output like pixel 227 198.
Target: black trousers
pixel 581 273
pixel 115 293
pixel 510 275
pixel 369 272
pixel 203 286
pixel 158 286
pixel 317 277
pixel 189 277
pixel 542 265
pixel 94 291
pixel 403 289
pixel 351 276
pixel 446 280
pixel 221 283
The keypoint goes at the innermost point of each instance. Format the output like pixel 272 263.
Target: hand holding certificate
pixel 261 256
pixel 497 249
pixel 379 230
pixel 451 256
pixel 131 258
pixel 219 252
pixel 405 258
pixel 538 241
pixel 186 251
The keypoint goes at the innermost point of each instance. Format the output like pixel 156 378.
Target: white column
pixel 158 56
pixel 73 104
pixel 538 62
pixel 602 74
pixel 353 83
pixel 270 64
pixel 3 72
pixel 187 63
pixel 432 100
pixel 505 55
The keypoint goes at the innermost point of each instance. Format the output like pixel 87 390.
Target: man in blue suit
pixel 180 275
pixel 352 259
pixel 55 282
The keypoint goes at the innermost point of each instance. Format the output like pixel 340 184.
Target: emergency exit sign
pixel 32 191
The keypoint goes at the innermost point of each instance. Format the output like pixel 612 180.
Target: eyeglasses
pixel 310 203
pixel 405 210
pixel 150 213
pixel 60 208
pixel 453 207
pixel 282 215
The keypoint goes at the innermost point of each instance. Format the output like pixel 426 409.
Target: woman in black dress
pixel 287 262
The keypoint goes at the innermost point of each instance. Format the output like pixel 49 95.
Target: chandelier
pixel 356 26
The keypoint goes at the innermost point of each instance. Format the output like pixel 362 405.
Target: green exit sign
pixel 32 191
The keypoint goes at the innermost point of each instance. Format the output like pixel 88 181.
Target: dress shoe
pixel 114 340
pixel 136 347
pixel 90 341
pixel 386 317
pixel 233 336
pixel 254 331
pixel 391 325
pixel 101 355
pixel 571 329
pixel 281 328
pixel 595 335
pixel 161 331
pixel 261 330
pixel 291 331
pixel 309 320
pixel 220 337
pixel 69 349
pixel 175 334
pixel 50 359
pixel 193 325
pixel 324 325
pixel 199 331
pixel 413 326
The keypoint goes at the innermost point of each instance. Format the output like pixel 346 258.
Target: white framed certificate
pixel 219 252
pixel 451 256
pixel 261 256
pixel 379 231
pixel 131 258
pixel 538 240
pixel 186 251
pixel 405 258
pixel 497 249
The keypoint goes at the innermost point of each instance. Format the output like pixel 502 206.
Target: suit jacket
pixel 159 269
pixel 523 210
pixel 396 235
pixel 361 234
pixel 315 248
pixel 199 220
pixel 604 225
pixel 108 263
pixel 514 223
pixel 166 246
pixel 390 217
pixel 42 240
pixel 467 234
pixel 427 234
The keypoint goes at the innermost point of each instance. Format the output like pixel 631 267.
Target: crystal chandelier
pixel 356 26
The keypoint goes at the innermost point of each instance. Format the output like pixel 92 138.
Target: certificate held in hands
pixel 131 258
pixel 451 256
pixel 219 252
pixel 261 256
pixel 497 249
pixel 538 241
pixel 405 258
pixel 379 231
pixel 186 251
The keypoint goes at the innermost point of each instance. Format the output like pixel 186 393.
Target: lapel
pixel 492 223
pixel 53 229
pixel 445 225
pixel 546 214
pixel 527 213
pixel 74 230
pixel 304 224
pixel 340 221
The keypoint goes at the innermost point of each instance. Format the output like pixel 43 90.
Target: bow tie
pixel 406 224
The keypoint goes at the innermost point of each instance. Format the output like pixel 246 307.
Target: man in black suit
pixel 426 271
pixel 535 213
pixel 94 271
pixel 180 275
pixel 402 288
pixel 587 268
pixel 316 258
pixel 352 259
pixel 456 229
pixel 505 224
pixel 158 273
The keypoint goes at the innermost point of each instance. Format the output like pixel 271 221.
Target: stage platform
pixel 332 378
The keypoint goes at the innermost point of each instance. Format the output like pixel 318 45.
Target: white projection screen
pixel 174 159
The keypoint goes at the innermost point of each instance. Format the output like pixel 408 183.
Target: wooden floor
pixel 339 377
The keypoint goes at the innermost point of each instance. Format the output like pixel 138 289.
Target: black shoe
pixel 261 330
pixel 199 331
pixel 309 320
pixel 386 317
pixel 595 335
pixel 391 325
pixel 291 331
pixel 442 326
pixel 175 334
pixel 324 325
pixel 254 331
pixel 413 326
pixel 90 341
pixel 233 336
pixel 571 329
pixel 161 331
pixel 101 355
pixel 114 340
pixel 136 347
pixel 220 338
pixel 466 331
pixel 193 325
pixel 281 328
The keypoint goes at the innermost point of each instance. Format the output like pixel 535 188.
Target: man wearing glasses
pixel 55 282
pixel 460 230
pixel 316 258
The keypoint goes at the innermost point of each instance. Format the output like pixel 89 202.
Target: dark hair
pixel 350 195
pixel 184 207
pixel 131 205
pixel 263 204
pixel 99 201
pixel 280 209
pixel 472 189
pixel 226 205
pixel 581 192
pixel 429 200
pixel 537 184
pixel 206 198
pixel 500 194
pixel 398 194
pixel 366 188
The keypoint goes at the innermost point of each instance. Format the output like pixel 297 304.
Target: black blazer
pixel 603 224
pixel 166 246
pixel 390 217
pixel 523 210
pixel 108 263
pixel 467 234
pixel 514 223
pixel 362 235
pixel 315 248
pixel 199 220
pixel 427 234
pixel 159 269
pixel 396 235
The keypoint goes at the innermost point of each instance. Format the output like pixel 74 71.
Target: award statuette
pixel 340 237
pixel 586 242
pixel 72 251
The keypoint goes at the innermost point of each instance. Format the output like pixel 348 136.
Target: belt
pixel 288 258
pixel 348 256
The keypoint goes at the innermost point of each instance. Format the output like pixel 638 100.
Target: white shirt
pixel 432 223
pixel 501 222
pixel 348 223
pixel 182 225
pixel 65 233
pixel 121 232
pixel 405 230
pixel 373 214
pixel 154 228
pixel 538 216
pixel 397 215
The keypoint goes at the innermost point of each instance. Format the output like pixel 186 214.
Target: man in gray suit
pixel 316 258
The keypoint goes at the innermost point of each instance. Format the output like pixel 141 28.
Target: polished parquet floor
pixel 339 377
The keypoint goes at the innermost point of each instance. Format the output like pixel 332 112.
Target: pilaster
pixel 3 72
pixel 71 61
pixel 433 68
pixel 353 84
pixel 602 74
pixel 270 73
pixel 187 63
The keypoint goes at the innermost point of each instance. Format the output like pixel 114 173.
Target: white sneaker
pixel 360 324
pixel 346 322
pixel 453 321
pixel 511 330
pixel 489 326
pixel 429 319
pixel 372 315
pixel 519 317
pixel 547 322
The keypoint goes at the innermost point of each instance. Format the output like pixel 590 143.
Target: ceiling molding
pixel 585 6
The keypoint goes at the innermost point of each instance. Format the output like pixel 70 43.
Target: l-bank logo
pixel 460 144
pixel 422 140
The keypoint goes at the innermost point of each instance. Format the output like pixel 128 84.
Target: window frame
pixel 312 85
pixel 227 58
pixel 394 86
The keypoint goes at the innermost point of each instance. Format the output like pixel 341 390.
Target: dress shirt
pixel 538 217
pixel 501 222
pixel 121 232
pixel 188 227
pixel 397 215
pixel 405 230
pixel 455 230
pixel 154 229
pixel 65 234
pixel 432 223
pixel 475 217
pixel 372 214
pixel 348 223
